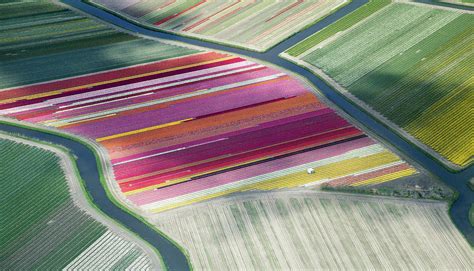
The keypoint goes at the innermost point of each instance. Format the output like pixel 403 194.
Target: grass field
pixel 411 64
pixel 285 230
pixel 42 228
pixel 256 25
pixel 341 25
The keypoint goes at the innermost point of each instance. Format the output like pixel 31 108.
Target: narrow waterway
pixel 89 172
pixel 172 256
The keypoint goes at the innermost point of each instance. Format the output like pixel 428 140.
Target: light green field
pixel 413 65
pixel 315 231
pixel 344 23
pixel 42 228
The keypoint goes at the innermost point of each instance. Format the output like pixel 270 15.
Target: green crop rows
pixel 413 65
pixel 42 228
pixel 346 22
pixel 37 213
pixel 43 37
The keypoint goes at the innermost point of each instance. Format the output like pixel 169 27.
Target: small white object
pixel 310 170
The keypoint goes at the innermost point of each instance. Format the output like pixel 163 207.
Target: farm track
pixel 459 210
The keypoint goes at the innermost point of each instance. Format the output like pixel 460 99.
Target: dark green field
pixel 42 228
pixel 37 38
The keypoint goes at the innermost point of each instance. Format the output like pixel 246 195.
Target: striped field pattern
pixel 317 231
pixel 411 66
pixel 248 23
pixel 44 227
pixel 200 126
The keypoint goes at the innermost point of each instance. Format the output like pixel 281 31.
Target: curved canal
pixel 172 256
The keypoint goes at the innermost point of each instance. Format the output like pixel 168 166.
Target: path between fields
pixel 299 192
pixel 80 200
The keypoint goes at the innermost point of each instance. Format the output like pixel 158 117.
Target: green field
pixel 18 8
pixel 413 65
pixel 42 228
pixel 344 23
pixel 42 37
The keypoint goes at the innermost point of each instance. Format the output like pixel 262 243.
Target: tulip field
pixel 200 126
pixel 42 228
pixel 254 24
pixel 234 162
pixel 317 231
pixel 412 65
pixel 180 125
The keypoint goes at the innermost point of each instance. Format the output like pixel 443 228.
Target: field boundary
pixel 298 192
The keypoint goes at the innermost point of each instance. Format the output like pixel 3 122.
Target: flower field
pixel 181 125
pixel 42 227
pixel 200 126
pixel 254 24
pixel 317 231
pixel 412 65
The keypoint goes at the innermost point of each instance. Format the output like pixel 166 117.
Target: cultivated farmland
pixel 192 153
pixel 42 227
pixel 253 24
pixel 190 125
pixel 341 25
pixel 33 47
pixel 259 129
pixel 411 65
pixel 307 230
